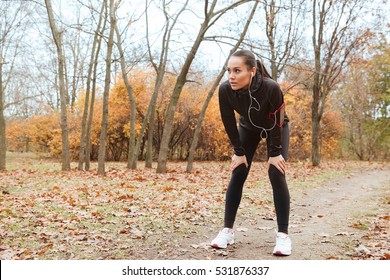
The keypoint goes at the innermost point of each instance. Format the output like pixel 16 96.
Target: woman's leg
pixel 249 141
pixel 285 133
pixel 281 193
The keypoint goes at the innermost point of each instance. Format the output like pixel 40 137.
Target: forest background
pixel 97 87
pixel 135 80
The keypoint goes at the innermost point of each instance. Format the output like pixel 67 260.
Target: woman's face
pixel 239 75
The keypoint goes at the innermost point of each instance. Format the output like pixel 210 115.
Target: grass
pixel 49 214
pixel 360 225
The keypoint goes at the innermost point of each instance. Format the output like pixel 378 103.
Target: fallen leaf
pixel 386 256
pixel 257 202
pixel 81 238
pixel 343 233
pixel 375 244
pixel 137 234
pixel 45 248
pixel 95 213
pixel 384 217
pixel 126 196
pixel 360 225
pixel 27 252
pixel 264 228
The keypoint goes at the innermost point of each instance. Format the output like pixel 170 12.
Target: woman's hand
pixel 279 163
pixel 237 161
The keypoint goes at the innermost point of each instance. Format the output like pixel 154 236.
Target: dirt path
pixel 327 222
pixel 140 215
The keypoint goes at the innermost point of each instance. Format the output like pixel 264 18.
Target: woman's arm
pixel 229 120
pixel 277 115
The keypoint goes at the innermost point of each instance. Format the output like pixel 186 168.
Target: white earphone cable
pixel 263 133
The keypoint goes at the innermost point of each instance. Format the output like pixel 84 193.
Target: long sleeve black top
pixel 270 98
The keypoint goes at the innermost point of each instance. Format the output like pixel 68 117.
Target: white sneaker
pixel 283 245
pixel 225 237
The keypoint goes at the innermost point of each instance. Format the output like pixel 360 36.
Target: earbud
pixel 253 74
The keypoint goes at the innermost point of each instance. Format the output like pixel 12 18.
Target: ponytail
pixel 262 69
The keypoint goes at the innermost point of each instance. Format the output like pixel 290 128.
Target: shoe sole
pixel 279 253
pixel 218 247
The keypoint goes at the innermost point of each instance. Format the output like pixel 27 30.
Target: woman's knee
pixel 274 173
pixel 241 172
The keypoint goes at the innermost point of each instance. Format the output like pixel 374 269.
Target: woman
pixel 251 92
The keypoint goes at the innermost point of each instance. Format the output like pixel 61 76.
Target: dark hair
pixel 250 61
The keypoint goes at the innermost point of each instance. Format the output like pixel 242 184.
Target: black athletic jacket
pixel 268 94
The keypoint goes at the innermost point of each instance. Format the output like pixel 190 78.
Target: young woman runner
pixel 257 98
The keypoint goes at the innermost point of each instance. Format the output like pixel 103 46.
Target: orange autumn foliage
pixel 43 133
pixel 298 109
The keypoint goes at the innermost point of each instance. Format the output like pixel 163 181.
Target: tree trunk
pixel 57 36
pixel 270 31
pixel 107 82
pixel 76 61
pixel 149 146
pixel 3 139
pixel 315 122
pixel 315 117
pixel 150 111
pixel 181 80
pixel 93 93
pixel 315 125
pixel 131 153
pixel 82 153
pixel 334 19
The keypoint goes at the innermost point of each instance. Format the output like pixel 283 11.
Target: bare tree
pixel 14 19
pixel 130 92
pixel 364 103
pixel 160 68
pixel 3 140
pixel 210 18
pixel 107 82
pixel 77 46
pixel 214 86
pixel 57 36
pixel 333 40
pixel 84 153
pixel 88 145
pixel 283 26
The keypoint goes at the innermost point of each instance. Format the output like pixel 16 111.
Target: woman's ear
pixel 253 71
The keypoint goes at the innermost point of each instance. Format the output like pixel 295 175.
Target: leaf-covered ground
pixel 137 214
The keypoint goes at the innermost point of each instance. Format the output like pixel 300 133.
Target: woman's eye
pixel 235 71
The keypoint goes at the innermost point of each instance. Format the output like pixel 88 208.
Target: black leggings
pixel 281 195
